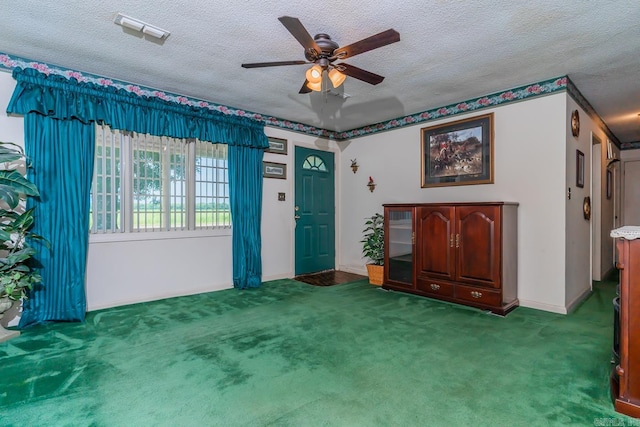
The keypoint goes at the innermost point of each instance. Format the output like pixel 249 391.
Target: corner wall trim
pixel 577 96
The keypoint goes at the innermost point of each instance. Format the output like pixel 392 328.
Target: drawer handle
pixel 476 294
pixel 435 287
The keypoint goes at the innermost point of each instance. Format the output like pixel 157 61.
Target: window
pixel 145 183
pixel 314 163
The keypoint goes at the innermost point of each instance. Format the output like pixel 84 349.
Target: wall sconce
pixel 354 165
pixel 138 25
pixel 371 184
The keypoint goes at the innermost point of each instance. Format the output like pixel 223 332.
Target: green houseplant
pixel 373 247
pixel 17 276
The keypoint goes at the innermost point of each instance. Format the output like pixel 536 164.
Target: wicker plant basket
pixel 376 273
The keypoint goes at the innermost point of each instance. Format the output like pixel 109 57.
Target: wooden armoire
pixel 625 384
pixel 459 252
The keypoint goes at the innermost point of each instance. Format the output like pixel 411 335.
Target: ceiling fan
pixel 323 52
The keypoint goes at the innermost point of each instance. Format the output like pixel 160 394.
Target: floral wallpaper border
pixel 498 98
pixel 630 145
pixel 10 62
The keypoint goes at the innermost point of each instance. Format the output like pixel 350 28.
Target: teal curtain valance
pixel 62 98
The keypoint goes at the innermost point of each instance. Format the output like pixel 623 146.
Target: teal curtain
pixel 245 191
pixel 61 153
pixel 62 98
pixel 74 105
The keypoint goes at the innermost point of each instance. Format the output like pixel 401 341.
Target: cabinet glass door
pixel 400 246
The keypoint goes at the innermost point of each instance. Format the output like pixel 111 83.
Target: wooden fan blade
pixel 298 31
pixel 273 64
pixel 359 73
pixel 381 39
pixel 305 88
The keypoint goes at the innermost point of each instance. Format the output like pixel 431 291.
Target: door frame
pixel 326 146
pixel 595 226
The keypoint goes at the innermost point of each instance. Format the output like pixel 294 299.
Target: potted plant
pixel 17 276
pixel 373 247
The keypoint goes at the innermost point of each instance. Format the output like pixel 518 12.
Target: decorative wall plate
pixel 575 123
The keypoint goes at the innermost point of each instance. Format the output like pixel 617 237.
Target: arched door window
pixel 314 163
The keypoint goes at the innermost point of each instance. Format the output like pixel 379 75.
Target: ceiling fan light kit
pixel 316 87
pixel 314 74
pixel 315 78
pixel 336 77
pixel 323 52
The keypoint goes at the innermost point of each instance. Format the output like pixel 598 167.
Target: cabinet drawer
pixel 434 287
pixel 478 295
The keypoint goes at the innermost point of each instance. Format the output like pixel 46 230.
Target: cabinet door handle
pixel 435 287
pixel 457 240
pixel 451 240
pixel 476 294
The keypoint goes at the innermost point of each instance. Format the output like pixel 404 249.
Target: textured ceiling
pixel 449 51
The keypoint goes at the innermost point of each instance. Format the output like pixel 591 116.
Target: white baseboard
pixel 609 273
pixel 277 277
pixel 577 300
pixel 156 297
pixel 542 306
pixel 353 269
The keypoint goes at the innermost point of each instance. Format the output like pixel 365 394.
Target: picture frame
pixel 277 145
pixel 457 153
pixel 609 184
pixel 274 170
pixel 579 169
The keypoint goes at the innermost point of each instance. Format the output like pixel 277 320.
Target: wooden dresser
pixel 626 389
pixel 459 252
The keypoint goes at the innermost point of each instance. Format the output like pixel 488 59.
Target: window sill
pixel 157 235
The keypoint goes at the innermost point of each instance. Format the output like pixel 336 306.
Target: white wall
pixel 11 128
pixel 529 165
pixel 578 235
pixel 125 272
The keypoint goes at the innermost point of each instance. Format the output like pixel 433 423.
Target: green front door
pixel 314 210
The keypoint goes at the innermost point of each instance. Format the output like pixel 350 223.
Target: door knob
pixel 296 217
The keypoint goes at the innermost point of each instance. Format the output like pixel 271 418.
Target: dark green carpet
pixel 292 354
